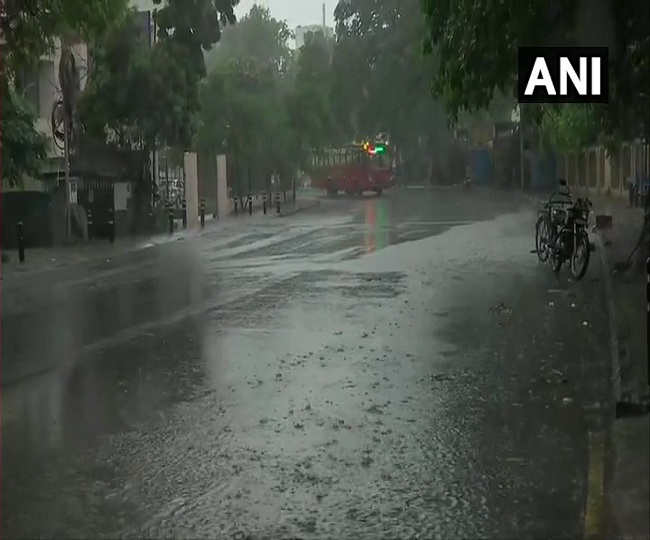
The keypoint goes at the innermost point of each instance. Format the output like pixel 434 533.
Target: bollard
pixel 284 194
pixel 277 201
pixel 250 204
pixel 184 209
pixel 235 201
pixel 21 242
pixel 111 225
pixel 89 216
pixel 202 212
pixel 264 202
pixel 170 219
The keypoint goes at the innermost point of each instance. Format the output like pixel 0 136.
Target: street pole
pixel 250 194
pixel 167 179
pixel 66 154
pixel 521 145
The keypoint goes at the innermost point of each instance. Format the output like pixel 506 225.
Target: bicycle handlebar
pixel 569 199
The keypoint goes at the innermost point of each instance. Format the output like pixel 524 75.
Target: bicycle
pixel 549 219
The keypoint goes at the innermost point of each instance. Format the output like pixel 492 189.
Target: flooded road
pixel 393 367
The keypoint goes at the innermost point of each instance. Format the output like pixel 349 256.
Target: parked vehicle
pixel 545 228
pixel 353 168
pixel 561 233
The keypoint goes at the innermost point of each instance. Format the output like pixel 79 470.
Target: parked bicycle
pixel 546 226
pixel 561 233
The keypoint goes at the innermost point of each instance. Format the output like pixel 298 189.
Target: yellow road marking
pixel 595 509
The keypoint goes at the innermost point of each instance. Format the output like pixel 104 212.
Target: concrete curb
pixel 613 320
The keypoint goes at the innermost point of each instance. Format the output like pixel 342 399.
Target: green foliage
pixel 195 26
pixel 569 127
pixel 116 98
pixel 382 78
pixel 476 43
pixel 141 96
pixel 256 37
pixel 309 103
pixel 29 29
pixel 22 146
pixel 146 95
pixel 262 105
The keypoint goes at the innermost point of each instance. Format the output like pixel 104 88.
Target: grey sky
pixel 295 12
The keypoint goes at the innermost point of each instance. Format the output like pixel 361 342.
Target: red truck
pixel 353 168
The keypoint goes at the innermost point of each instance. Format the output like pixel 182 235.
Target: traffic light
pixel 373 149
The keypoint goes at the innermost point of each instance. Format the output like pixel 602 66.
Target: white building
pixel 303 31
pixel 39 85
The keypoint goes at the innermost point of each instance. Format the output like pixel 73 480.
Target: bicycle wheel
pixel 541 238
pixel 580 256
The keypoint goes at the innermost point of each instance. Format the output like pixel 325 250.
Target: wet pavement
pixel 386 367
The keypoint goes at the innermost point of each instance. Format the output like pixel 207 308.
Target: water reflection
pixel 377 219
pixel 83 392
pixel 65 322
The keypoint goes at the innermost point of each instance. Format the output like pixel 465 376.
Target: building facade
pixel 303 31
pixel 39 85
pixel 100 186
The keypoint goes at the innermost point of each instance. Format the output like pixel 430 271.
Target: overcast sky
pixel 295 12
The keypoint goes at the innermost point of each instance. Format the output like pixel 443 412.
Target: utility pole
pixel 66 157
pixel 167 179
pixel 68 76
pixel 249 177
pixel 521 146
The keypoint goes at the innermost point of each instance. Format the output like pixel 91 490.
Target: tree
pixel 246 102
pixel 137 96
pixel 244 114
pixel 22 146
pixel 570 128
pixel 476 43
pixel 30 28
pixel 310 99
pixel 195 26
pixel 382 79
pixel 256 37
pixel 142 97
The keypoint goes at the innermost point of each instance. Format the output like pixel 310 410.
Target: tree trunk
pixel 142 192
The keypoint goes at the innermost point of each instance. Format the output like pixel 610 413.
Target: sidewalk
pixel 628 285
pixel 45 259
pixel 628 295
pixel 286 208
pixel 628 492
pixel 38 260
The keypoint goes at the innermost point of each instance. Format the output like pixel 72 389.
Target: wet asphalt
pixel 385 367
